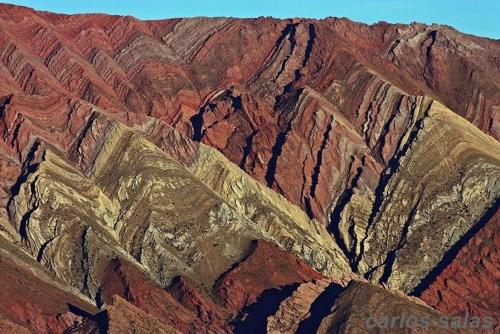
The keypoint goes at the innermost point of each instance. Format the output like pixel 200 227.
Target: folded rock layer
pixel 244 175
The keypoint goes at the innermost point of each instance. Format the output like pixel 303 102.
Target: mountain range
pixel 222 175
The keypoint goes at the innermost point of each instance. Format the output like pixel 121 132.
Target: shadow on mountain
pixel 253 318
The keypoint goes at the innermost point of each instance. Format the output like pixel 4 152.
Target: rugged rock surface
pixel 467 279
pixel 294 310
pixel 266 268
pixel 184 308
pixel 452 171
pixel 32 300
pixel 149 181
pixel 364 308
pixel 123 317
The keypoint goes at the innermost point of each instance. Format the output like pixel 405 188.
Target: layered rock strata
pixel 150 181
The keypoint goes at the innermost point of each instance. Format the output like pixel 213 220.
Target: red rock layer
pixel 182 306
pixel 312 108
pixel 133 301
pixel 189 296
pixel 470 283
pixel 387 313
pixel 267 267
pixel 122 317
pixel 191 312
pixel 31 301
pixel 278 95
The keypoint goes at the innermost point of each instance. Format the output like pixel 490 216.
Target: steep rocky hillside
pixel 245 175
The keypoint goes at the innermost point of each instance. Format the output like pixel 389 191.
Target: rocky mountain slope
pixel 245 175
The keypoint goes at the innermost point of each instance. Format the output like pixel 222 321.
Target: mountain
pixel 229 175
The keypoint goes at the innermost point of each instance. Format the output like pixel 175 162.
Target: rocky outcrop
pixel 266 268
pixel 182 307
pixel 204 308
pixel 446 202
pixel 122 317
pixel 465 282
pixel 294 310
pixel 364 308
pixel 210 184
pixel 117 171
pixel 32 300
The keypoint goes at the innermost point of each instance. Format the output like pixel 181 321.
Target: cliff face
pixel 228 175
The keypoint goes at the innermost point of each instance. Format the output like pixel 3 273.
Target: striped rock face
pixel 258 175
